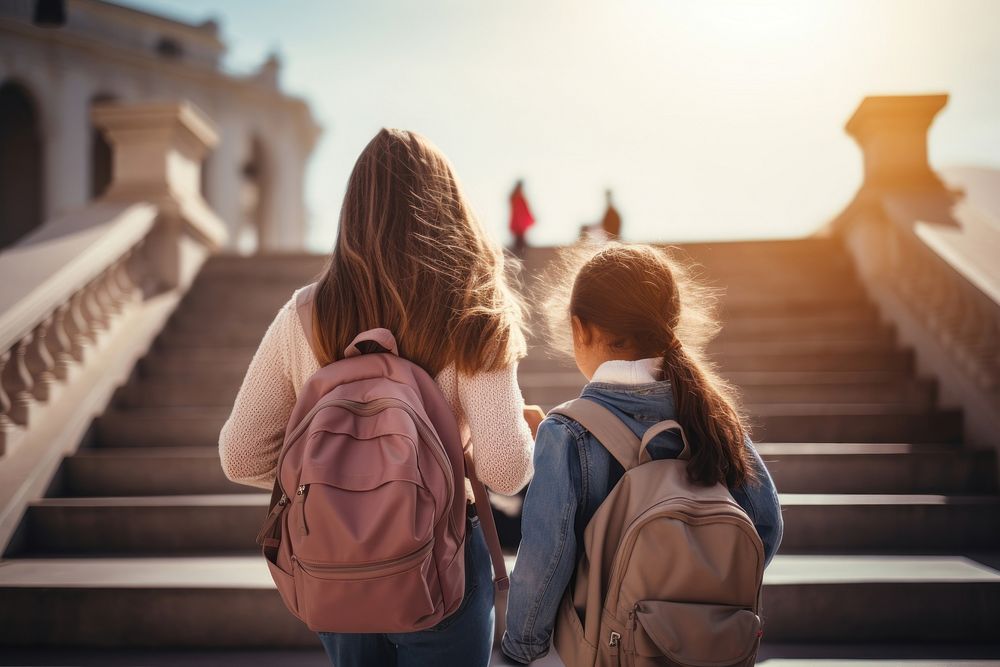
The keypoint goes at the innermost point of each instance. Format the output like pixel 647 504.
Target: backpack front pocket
pixel 695 635
pixel 352 598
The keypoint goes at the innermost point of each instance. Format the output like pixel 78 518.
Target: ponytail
pixel 714 428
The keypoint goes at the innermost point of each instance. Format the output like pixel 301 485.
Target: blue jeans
pixel 464 639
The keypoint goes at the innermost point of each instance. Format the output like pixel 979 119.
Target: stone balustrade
pixel 84 295
pixel 919 250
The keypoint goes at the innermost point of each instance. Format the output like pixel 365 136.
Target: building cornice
pixel 207 33
pixel 140 60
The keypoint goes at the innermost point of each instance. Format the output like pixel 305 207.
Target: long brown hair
pixel 411 257
pixel 645 301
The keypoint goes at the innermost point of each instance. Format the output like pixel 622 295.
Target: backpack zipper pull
pixel 299 515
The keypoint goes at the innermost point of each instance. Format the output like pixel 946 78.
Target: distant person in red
pixel 521 219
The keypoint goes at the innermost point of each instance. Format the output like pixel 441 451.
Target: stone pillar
pixel 158 151
pixel 892 134
pixel 225 177
pixel 284 225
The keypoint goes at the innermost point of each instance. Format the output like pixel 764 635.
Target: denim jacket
pixel 573 476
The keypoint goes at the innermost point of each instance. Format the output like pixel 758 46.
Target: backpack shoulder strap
pixel 609 430
pixel 500 581
pixel 304 308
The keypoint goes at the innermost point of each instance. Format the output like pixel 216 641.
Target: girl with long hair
pixel 412 258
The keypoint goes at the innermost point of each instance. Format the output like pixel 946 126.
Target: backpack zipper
pixel 372 407
pixel 352 569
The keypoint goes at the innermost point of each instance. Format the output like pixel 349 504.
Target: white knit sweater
pixel 488 407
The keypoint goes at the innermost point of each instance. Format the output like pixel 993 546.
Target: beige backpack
pixel 671 571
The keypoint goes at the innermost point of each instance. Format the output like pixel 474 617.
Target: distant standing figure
pixel 521 219
pixel 612 221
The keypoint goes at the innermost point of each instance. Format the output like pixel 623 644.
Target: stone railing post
pixel 892 134
pixel 158 153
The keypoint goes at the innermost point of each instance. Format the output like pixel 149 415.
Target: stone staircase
pixel 892 527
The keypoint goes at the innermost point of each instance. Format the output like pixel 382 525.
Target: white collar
pixel 619 371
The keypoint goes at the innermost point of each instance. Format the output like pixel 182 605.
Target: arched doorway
pixel 101 155
pixel 21 177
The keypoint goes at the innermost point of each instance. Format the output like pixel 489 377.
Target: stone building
pixel 53 160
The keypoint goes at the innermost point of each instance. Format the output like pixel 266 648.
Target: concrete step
pixel 746 358
pixel 853 423
pixel 738 306
pixel 145 602
pixel 144 524
pixel 223 335
pixel 819 327
pixel 172 364
pixel 798 346
pixel 169 427
pixel 852 599
pixel 199 320
pixel 896 468
pixel 230 602
pixel 226 305
pixel 771 358
pixel 834 377
pixel 913 394
pixel 740 254
pixel 823 523
pixel 814 523
pixel 138 471
pixel 564 373
pixel 207 389
pixel 194 328
pixel 208 359
pixel 189 426
pixel 796 468
pixel 277 266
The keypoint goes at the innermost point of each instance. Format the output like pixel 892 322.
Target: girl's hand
pixel 534 416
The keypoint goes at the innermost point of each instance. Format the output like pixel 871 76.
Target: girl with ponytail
pixel 637 324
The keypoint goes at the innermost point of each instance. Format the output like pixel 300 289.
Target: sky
pixel 709 119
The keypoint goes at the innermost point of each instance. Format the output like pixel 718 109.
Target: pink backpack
pixel 367 525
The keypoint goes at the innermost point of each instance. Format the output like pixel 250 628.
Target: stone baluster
pixel 39 361
pixel 114 300
pixel 128 274
pixel 60 342
pixel 93 310
pixel 7 427
pixel 17 382
pixel 78 327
